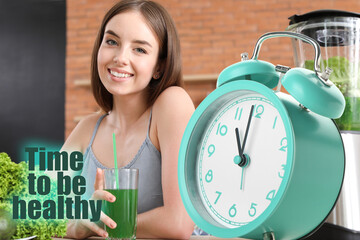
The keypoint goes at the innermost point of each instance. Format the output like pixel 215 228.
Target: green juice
pixel 350 120
pixel 348 82
pixel 123 211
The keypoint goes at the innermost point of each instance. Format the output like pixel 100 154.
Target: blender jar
pixel 338 34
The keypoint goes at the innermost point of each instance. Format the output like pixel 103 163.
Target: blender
pixel 338 34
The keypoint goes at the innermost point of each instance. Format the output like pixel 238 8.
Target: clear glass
pixel 339 39
pixel 123 184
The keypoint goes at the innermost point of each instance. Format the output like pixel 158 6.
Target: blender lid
pixel 321 14
pixel 330 28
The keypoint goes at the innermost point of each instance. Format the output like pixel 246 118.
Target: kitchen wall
pixel 213 34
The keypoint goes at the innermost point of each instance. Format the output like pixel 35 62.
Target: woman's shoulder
pixel 173 97
pixel 89 120
pixel 174 105
pixel 81 135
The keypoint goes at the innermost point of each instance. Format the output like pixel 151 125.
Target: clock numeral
pixel 232 211
pixel 252 211
pixel 259 110
pixel 211 149
pixel 283 144
pixel 281 175
pixel 219 194
pixel 222 129
pixel 238 114
pixel 275 122
pixel 270 196
pixel 209 176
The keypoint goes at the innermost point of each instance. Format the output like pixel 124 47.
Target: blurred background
pixel 46 48
pixel 32 74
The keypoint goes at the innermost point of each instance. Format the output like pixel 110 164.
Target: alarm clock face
pixel 235 195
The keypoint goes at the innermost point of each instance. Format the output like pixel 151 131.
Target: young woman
pixel 136 80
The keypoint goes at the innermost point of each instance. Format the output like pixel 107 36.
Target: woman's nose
pixel 121 57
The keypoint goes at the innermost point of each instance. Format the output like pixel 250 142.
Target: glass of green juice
pixel 123 184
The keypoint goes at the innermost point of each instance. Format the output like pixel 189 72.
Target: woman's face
pixel 127 57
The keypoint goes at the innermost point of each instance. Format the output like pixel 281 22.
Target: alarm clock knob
pixel 281 68
pixel 244 56
pixel 326 74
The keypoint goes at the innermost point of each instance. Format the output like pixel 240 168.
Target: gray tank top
pixel 147 160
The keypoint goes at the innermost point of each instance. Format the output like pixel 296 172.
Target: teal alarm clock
pixel 258 163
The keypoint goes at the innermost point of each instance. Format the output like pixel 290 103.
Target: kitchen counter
pixel 191 238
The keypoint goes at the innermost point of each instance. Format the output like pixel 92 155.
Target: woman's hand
pixel 84 228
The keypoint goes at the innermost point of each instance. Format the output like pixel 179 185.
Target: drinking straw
pixel 115 162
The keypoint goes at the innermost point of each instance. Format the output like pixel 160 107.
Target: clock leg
pixel 268 236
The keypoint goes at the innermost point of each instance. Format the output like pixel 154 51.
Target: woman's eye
pixel 111 42
pixel 140 50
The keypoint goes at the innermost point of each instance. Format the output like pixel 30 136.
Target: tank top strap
pixel 96 128
pixel 148 131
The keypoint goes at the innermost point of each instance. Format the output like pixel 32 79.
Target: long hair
pixel 169 59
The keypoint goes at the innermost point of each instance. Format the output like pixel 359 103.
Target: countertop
pixel 191 238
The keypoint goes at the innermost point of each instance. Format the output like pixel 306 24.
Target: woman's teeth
pixel 120 75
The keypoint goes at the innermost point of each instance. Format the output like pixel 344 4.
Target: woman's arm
pixel 84 228
pixel 171 113
pixel 81 135
pixel 78 141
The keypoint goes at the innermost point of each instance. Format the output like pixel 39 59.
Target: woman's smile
pixel 119 75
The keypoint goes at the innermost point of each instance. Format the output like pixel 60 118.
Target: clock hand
pixel 242 178
pixel 241 160
pixel 247 129
pixel 238 140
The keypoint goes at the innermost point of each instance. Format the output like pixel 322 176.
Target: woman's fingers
pixel 100 194
pixel 99 179
pixel 98 229
pixel 95 228
pixel 107 220
pixel 103 195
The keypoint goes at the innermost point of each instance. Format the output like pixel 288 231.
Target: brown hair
pixel 169 59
